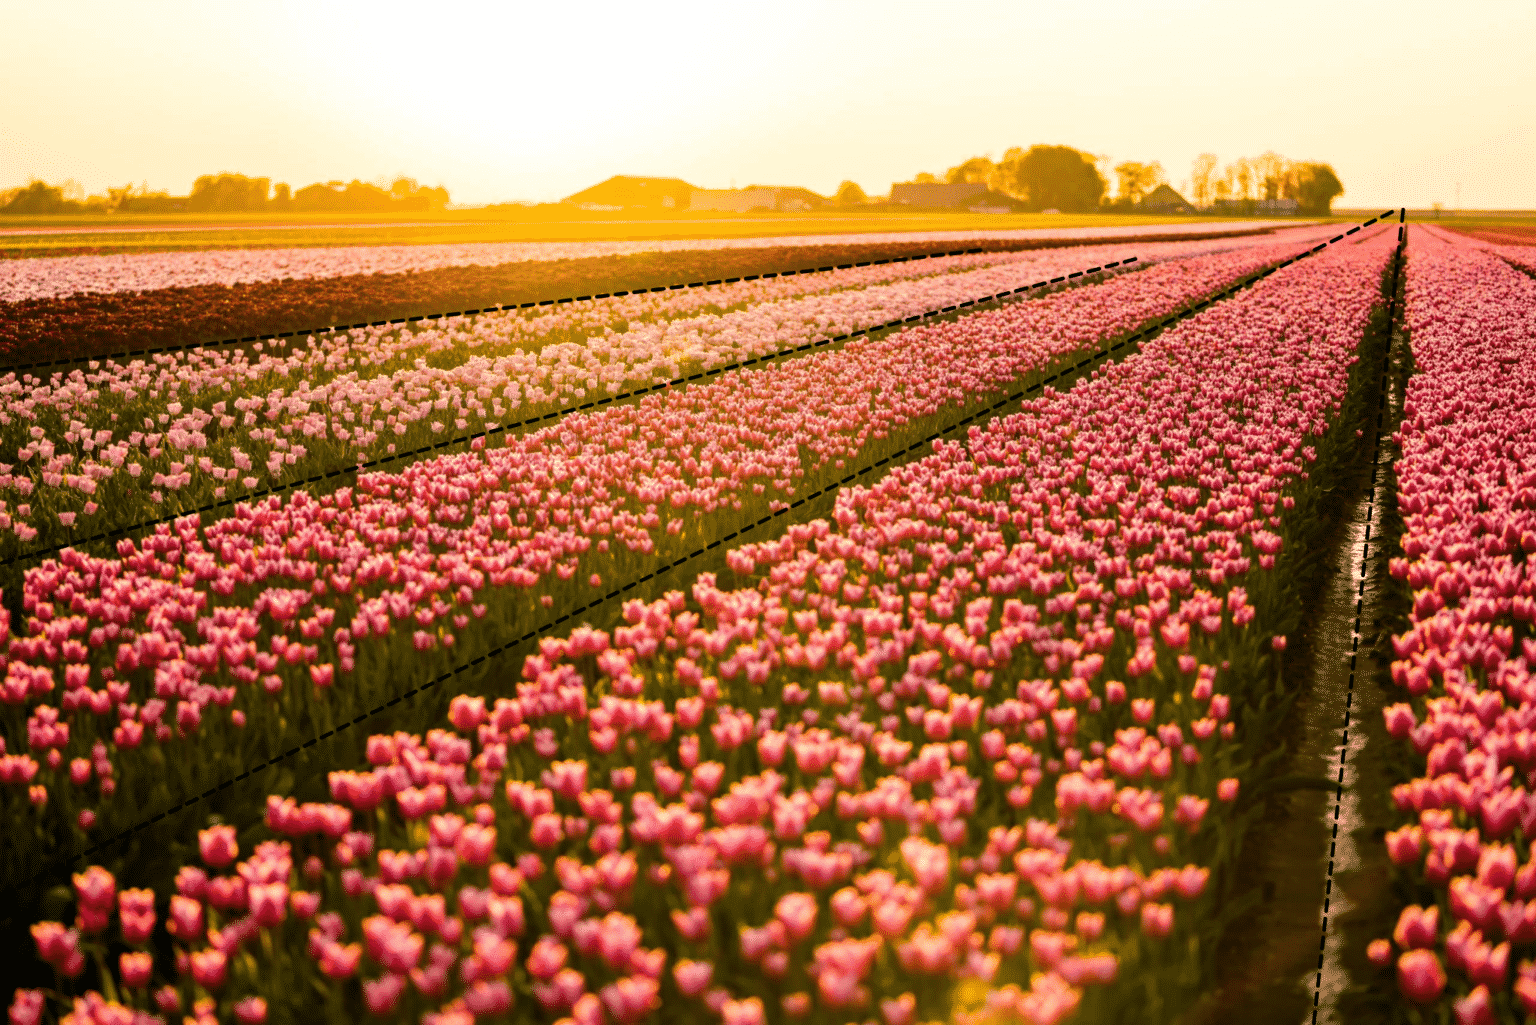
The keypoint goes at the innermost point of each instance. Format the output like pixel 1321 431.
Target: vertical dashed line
pixel 1365 561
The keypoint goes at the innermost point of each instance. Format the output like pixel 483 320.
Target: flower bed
pixel 183 635
pixel 966 749
pixel 178 434
pixel 101 323
pixel 1466 492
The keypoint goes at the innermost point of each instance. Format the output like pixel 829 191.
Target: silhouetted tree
pixel 1314 187
pixel 1269 170
pixel 849 194
pixel 1137 179
pixel 975 171
pixel 36 197
pixel 228 193
pixel 1202 179
pixel 1054 177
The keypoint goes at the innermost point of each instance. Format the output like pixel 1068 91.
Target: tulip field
pixel 899 643
pixel 1466 485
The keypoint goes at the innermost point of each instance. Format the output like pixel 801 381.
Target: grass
pixel 1458 218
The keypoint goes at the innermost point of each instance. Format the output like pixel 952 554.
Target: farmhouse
pixel 624 191
pixel 1276 206
pixel 936 194
pixel 973 196
pixel 755 197
pixel 1163 200
pixel 794 197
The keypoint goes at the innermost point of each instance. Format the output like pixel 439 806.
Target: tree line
pixel 1072 181
pixel 228 193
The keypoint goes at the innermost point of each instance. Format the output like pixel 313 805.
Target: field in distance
pixel 79 235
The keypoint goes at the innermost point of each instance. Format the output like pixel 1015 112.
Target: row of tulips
pixel 116 443
pixel 1521 256
pixel 48 277
pixel 224 643
pixel 962 751
pixel 205 424
pixel 1467 493
pixel 50 334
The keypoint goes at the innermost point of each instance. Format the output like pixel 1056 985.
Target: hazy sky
pixel 504 101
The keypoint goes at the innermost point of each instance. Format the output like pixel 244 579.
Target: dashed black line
pixel 1365 563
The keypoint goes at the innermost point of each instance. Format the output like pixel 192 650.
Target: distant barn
pixel 972 196
pixel 622 192
pixel 1163 200
pixel 627 192
pixel 1250 207
pixel 778 198
pixel 937 194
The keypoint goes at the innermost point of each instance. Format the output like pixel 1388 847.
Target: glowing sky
pixel 506 101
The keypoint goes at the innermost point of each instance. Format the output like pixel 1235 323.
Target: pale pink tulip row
pixel 803 788
pixel 50 277
pixel 216 415
pixel 284 593
pixel 1466 488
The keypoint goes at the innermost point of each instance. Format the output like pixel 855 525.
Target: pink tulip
pixel 217 846
pixel 208 968
pixel 798 913
pixel 1156 919
pixel 186 919
pixel 382 994
pixel 1417 927
pixel 251 1011
pixel 693 977
pixel 1476 1008
pixel 900 1011
pixel 743 1012
pixel 1420 976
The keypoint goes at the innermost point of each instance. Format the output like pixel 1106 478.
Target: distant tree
pixel 1054 177
pixel 1202 179
pixel 1314 187
pixel 437 199
pixel 37 197
pixel 228 193
pixel 360 197
pixel 117 197
pixel 282 196
pixel 1269 171
pixel 975 171
pixel 1008 173
pixel 849 194
pixel 925 178
pixel 1137 179
pixel 1240 178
